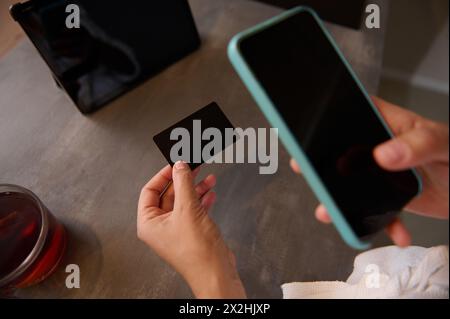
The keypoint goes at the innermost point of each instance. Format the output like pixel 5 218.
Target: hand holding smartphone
pixel 327 121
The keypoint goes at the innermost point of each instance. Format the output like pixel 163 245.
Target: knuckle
pixel 201 187
pixel 143 190
pixel 428 136
pixel 188 205
pixel 191 206
pixel 182 172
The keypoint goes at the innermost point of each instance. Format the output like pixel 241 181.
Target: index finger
pixel 294 166
pixel 399 119
pixel 150 194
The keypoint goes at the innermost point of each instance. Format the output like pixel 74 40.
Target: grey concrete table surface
pixel 89 169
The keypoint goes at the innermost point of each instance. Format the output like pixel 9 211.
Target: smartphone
pixel 326 120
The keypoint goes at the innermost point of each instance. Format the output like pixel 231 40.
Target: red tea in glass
pixel 32 241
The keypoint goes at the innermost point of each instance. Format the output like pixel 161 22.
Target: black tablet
pixel 119 43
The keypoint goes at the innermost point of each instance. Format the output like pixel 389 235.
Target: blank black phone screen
pixel 331 118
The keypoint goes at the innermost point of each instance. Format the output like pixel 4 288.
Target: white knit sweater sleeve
pixel 389 272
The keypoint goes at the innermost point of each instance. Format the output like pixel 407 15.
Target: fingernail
pixel 392 152
pixel 180 165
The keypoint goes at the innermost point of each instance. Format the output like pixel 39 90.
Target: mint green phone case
pixel 286 136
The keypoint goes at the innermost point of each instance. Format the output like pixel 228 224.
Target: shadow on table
pixel 83 249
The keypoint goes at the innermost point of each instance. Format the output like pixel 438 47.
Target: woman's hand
pixel 177 227
pixel 420 144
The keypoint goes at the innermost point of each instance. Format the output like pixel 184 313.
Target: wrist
pixel 217 284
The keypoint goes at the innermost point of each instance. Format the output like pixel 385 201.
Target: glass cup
pixel 32 241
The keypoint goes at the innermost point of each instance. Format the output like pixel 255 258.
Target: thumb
pixel 183 183
pixel 413 148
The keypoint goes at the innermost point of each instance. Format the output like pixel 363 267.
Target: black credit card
pixel 189 137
